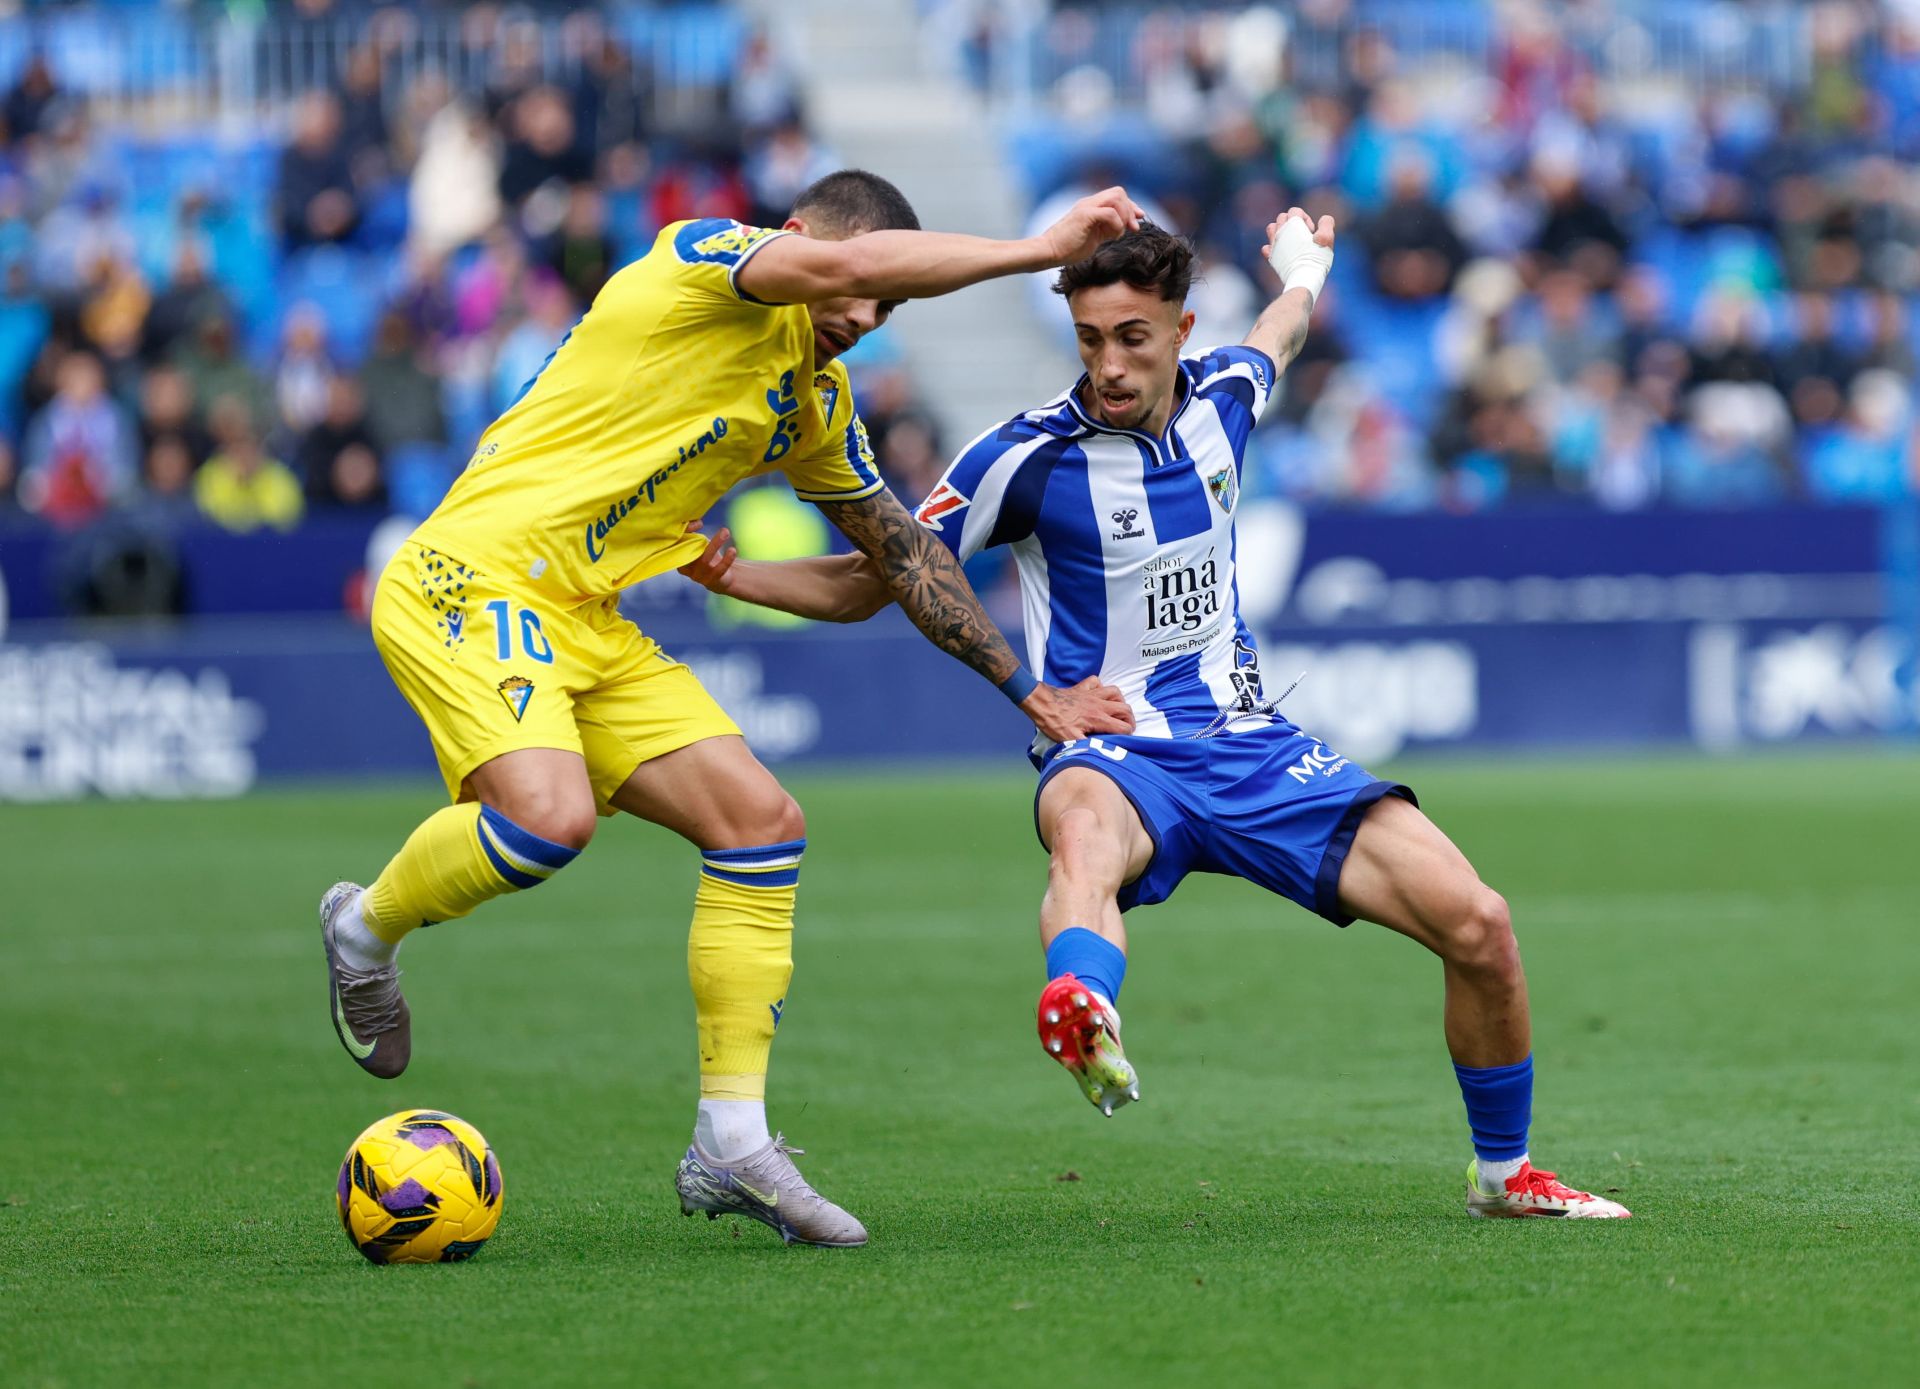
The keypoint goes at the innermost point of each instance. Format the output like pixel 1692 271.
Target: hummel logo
pixel 1124 519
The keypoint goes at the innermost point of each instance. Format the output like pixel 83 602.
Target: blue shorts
pixel 1271 805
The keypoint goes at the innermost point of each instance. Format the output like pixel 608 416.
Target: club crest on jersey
pixel 1123 521
pixel 1225 490
pixel 828 389
pixel 516 690
pixel 942 501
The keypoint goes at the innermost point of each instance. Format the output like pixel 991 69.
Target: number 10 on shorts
pixel 533 641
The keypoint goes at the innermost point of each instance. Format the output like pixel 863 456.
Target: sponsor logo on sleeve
pixel 717 241
pixel 942 502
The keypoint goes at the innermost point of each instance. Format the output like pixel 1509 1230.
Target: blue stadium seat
pixel 695 44
pixel 464 402
pixel 383 217
pixel 97 51
pixel 1674 257
pixel 418 476
pixel 1047 154
pixel 344 284
pixel 23 328
pixel 1395 338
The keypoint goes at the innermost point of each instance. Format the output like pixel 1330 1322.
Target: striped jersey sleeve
pixel 1239 382
pixel 988 495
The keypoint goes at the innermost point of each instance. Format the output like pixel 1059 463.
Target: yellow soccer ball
pixel 419 1187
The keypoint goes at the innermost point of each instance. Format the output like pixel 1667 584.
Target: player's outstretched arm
pixel 922 264
pixel 825 588
pixel 1300 254
pixel 929 585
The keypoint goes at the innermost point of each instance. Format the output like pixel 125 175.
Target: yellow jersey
pixel 675 385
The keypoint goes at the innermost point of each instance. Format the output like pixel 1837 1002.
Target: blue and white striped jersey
pixel 1124 542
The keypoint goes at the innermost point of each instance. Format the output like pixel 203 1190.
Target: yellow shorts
pixel 490 668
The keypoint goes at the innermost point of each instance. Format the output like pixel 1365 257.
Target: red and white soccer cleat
pixel 1533 1192
pixel 1081 1030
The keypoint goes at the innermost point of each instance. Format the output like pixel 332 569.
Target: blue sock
pixel 1089 957
pixel 1499 1108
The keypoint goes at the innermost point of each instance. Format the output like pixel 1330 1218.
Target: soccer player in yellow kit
pixel 707 361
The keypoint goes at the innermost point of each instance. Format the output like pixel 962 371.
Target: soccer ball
pixel 419 1187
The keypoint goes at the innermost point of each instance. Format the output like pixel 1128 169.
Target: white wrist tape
pixel 1299 260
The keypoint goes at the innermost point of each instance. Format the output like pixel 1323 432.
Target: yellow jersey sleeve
pixel 839 466
pixel 714 249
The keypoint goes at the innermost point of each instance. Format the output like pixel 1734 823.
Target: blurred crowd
pixel 1613 251
pixel 1628 253
pixel 196 329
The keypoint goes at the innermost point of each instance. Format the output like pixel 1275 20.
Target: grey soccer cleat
pixel 368 1012
pixel 767 1187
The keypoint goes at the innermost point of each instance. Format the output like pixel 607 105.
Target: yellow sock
pixel 455 860
pixel 739 958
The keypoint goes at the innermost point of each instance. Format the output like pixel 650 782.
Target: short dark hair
pixel 1148 257
pixel 851 201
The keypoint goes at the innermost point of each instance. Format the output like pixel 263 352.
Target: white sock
pixel 357 944
pixel 1493 1175
pixel 731 1129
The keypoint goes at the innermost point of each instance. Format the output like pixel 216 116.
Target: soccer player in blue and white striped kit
pixel 1117 501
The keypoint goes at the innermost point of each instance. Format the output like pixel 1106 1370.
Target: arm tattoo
pixel 926 581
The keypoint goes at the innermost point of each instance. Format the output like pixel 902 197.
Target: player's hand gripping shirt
pixel 673 387
pixel 1124 543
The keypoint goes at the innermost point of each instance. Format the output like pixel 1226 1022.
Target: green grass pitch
pixel 1725 963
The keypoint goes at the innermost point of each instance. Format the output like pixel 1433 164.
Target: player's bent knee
pixel 566 821
pixel 1482 936
pixel 768 816
pixel 519 856
pixel 785 821
pixel 575 828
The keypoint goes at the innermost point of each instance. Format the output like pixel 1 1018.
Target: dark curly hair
pixel 1147 258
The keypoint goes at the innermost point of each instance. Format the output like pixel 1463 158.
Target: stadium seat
pixel 343 283
pixel 418 476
